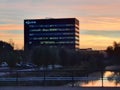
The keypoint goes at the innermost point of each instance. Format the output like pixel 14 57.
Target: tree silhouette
pixel 12 58
pixel 63 56
pixel 43 56
pixel 4 49
pixel 114 53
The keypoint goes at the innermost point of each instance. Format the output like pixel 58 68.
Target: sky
pixel 99 19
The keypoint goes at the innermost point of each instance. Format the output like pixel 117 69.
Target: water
pixel 111 79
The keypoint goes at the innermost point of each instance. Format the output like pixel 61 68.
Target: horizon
pixel 99 20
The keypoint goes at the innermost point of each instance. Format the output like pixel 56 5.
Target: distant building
pixel 63 32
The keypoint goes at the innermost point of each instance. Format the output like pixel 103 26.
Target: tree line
pixel 44 56
pixel 9 55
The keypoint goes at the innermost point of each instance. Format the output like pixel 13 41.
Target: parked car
pixel 4 64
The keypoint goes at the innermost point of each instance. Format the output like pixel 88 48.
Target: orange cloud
pixel 99 23
pixel 11 27
pixel 17 39
pixel 96 42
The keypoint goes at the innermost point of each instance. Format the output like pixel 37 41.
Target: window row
pixel 53 42
pixel 52 25
pixel 51 38
pixel 52 29
pixel 50 34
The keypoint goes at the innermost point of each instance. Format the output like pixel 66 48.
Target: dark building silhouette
pixel 62 32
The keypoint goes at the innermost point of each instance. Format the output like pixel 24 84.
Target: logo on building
pixel 30 22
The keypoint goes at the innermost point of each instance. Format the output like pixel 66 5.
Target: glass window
pixel 47 42
pixel 30 42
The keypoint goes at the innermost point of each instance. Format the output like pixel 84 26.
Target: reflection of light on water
pixel 98 83
pixel 92 83
pixel 108 73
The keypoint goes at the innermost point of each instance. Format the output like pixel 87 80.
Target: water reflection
pixel 111 79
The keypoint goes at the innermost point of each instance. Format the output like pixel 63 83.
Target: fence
pixel 52 77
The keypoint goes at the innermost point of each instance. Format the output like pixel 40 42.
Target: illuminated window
pixel 40 38
pixel 53 38
pixel 52 29
pixel 47 42
pixel 52 25
pixel 68 33
pixel 31 34
pixel 66 37
pixel 66 42
pixel 30 42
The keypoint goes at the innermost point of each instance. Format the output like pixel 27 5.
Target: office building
pixel 62 32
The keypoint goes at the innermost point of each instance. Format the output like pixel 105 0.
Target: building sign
pixel 30 22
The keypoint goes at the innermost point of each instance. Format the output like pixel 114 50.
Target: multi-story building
pixel 63 32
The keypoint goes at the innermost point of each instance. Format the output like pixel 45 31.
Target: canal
pixel 109 78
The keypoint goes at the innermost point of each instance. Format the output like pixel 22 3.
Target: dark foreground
pixel 55 88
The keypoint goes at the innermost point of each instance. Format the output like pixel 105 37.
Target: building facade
pixel 62 32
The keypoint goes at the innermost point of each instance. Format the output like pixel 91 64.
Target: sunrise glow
pixel 99 20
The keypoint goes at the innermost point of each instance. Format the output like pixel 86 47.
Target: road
pixel 53 88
